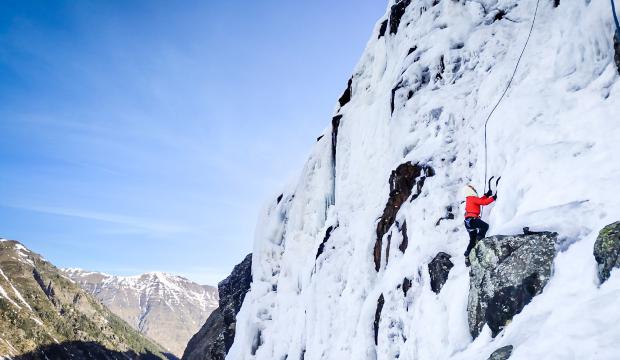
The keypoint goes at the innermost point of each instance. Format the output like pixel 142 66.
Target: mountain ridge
pixel 43 312
pixel 167 308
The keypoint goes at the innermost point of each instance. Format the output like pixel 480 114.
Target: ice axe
pixel 496 183
pixel 490 179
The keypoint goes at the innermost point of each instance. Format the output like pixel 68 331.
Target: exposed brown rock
pixel 380 303
pixel 346 96
pixel 403 181
pixel 396 13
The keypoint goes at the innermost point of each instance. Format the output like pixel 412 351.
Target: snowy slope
pixel 165 307
pixel 420 94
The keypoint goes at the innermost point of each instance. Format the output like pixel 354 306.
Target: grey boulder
pixel 607 250
pixel 502 353
pixel 506 273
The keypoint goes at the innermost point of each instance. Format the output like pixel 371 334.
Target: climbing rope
pixel 486 151
pixel 613 11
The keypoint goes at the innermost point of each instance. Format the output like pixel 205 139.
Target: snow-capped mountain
pixel 362 256
pixel 45 315
pixel 167 308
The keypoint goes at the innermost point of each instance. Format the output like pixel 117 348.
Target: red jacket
pixel 473 204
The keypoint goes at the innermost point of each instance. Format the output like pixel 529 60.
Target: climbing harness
pixel 506 90
pixel 613 12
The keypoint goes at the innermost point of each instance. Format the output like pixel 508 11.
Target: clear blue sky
pixel 147 135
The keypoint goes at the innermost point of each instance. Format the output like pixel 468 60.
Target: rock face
pixel 501 353
pixel 167 308
pixel 439 269
pixel 380 303
pixel 382 29
pixel 208 343
pixel 346 95
pixel 506 273
pixel 216 336
pixel 607 250
pixel 617 52
pixel 45 315
pixel 396 13
pixel 403 181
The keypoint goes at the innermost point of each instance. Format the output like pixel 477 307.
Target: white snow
pixel 5 295
pixel 168 287
pixel 11 348
pixel 21 248
pixel 554 141
pixel 171 289
pixel 23 254
pixel 82 272
pixel 15 291
pixel 39 322
pixel 20 297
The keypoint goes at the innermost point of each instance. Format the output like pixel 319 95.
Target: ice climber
pixel 476 228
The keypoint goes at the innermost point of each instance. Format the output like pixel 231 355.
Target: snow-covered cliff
pixel 340 268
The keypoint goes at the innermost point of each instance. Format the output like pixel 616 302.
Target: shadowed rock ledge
pixel 216 336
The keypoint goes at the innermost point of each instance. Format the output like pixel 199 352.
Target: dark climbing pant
pixel 477 230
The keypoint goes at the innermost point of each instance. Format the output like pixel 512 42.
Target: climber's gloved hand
pixel 488 193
